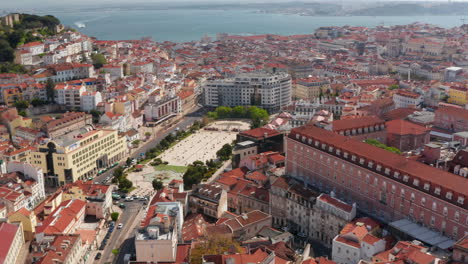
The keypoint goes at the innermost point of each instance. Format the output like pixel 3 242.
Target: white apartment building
pixel 12 242
pixel 157 240
pixel 29 171
pixel 90 100
pixel 69 95
pixel 268 91
pixel 407 99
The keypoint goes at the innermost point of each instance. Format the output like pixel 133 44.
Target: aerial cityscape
pixel 217 132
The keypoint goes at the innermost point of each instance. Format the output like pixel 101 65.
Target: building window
pixel 426 186
pixel 345 155
pixel 361 161
pixel 370 164
pixel 379 167
pixel 317 143
pixel 330 149
pixel 432 220
pixel 412 197
pixel 310 141
pixel 455 231
pixel 445 211
pixel 449 195
pixel 396 174
pixel 434 206
pixel 338 152
pixel 297 136
pixel 423 201
pixel 461 199
pixel 437 191
pixel 402 193
pixel 405 178
pixel 457 216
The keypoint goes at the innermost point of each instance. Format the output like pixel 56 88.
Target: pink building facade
pixel 383 184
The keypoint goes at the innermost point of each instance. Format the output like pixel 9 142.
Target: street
pixel 131 216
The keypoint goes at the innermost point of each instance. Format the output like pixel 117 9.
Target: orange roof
pixel 402 127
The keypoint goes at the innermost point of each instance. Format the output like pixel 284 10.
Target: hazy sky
pixel 25 4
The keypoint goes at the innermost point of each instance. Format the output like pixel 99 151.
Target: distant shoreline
pixel 186 25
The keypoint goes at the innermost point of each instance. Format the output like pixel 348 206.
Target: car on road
pixel 129 199
pixel 98 255
pixel 119 226
pixel 122 206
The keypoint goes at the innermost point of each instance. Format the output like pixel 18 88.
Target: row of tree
pixel 167 142
pixel 120 178
pixel 258 115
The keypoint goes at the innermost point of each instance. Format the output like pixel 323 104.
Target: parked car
pixel 98 255
pixel 122 206
pixel 120 226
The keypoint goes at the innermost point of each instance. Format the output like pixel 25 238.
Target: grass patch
pixel 177 169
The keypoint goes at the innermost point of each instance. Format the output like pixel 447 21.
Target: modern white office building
pixel 265 90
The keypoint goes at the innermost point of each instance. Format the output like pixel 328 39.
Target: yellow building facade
pixel 29 221
pixel 458 95
pixel 80 155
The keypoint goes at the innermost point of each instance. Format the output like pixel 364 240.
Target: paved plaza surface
pixel 204 144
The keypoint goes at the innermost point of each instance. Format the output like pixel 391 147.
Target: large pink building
pixel 385 185
pixel 451 118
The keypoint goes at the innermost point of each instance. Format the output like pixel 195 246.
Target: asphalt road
pixel 129 221
pixel 124 238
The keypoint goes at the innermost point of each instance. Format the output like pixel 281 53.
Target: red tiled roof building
pixel 383 184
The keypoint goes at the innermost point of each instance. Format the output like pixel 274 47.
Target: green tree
pixel 98 60
pixel 224 112
pixel 125 184
pixel 393 87
pixel 135 143
pixel 9 67
pixel 21 104
pixel 114 216
pixel 50 90
pixel 225 152
pixel 7 53
pixel 128 162
pixel 119 172
pixel 239 111
pixel 37 102
pixel 157 184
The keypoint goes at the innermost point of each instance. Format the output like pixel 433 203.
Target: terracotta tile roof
pixel 260 133
pixel 355 123
pixel 460 113
pixel 402 127
pixel 348 242
pixel 8 233
pixel 63 215
pixel 59 249
pixel 256 176
pixel 399 113
pixel 238 173
pixel 335 202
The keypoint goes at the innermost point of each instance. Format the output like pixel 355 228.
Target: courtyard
pixel 202 145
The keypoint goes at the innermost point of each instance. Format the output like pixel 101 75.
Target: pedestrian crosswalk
pixel 132 210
